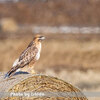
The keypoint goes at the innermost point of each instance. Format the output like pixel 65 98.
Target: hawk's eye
pixel 41 36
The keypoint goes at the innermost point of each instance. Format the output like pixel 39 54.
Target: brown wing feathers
pixel 27 56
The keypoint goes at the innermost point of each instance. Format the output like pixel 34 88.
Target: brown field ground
pixel 74 58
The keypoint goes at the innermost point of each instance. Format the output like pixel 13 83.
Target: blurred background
pixel 71 50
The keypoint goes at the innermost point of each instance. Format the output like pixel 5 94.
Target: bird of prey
pixel 28 57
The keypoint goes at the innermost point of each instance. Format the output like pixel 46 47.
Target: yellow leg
pixel 31 69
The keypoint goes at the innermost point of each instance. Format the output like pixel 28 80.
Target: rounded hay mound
pixel 38 87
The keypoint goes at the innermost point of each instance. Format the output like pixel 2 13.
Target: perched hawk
pixel 28 57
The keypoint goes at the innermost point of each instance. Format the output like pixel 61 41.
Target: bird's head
pixel 39 38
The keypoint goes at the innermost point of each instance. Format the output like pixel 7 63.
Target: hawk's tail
pixel 11 72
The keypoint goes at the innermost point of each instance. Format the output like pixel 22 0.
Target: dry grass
pixel 38 83
pixel 86 81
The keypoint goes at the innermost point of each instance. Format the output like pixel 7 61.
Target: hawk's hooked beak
pixel 41 37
